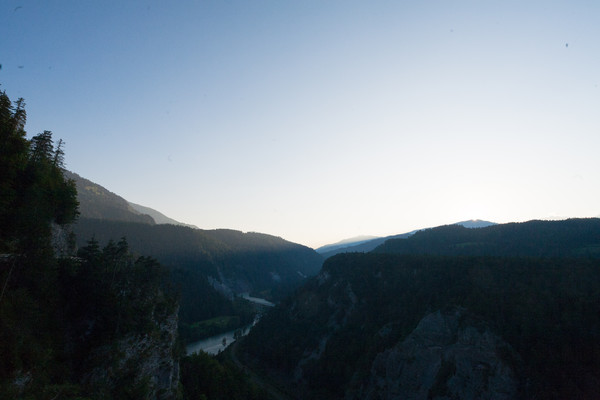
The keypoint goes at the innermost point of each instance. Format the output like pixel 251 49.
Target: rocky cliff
pixel 143 366
pixel 449 355
pixel 121 325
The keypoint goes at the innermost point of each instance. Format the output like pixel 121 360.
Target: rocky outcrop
pixel 449 355
pixel 142 366
pixel 63 240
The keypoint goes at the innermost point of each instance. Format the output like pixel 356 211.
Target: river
pixel 215 344
pixel 257 300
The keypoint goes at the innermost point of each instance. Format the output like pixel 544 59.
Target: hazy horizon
pixel 318 121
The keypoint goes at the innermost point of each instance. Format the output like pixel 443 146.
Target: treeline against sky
pixel 577 237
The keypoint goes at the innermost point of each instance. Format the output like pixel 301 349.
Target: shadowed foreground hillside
pixel 100 325
pixel 530 325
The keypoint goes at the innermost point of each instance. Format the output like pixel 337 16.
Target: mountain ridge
pixel 158 217
pixel 345 243
pixel 211 267
pixel 365 322
pixel 535 238
pixel 95 201
pixel 363 246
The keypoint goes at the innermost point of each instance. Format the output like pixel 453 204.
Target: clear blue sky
pixel 319 120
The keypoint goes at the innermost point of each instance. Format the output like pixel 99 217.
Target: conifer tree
pixel 34 195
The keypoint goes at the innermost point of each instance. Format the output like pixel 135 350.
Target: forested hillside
pixel 568 238
pixel 372 244
pixel 100 325
pixel 529 325
pixel 211 266
pixel 243 262
pixel 97 202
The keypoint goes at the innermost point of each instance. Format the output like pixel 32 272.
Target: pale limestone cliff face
pixel 146 364
pixel 448 356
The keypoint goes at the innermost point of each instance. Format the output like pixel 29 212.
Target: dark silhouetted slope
pixel 364 246
pixel 464 313
pixel 212 266
pixel 96 326
pixel 97 202
pixel 568 238
pixel 243 261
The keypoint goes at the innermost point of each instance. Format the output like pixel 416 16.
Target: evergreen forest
pixel 93 321
pixel 542 298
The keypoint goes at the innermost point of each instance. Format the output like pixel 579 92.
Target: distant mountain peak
pixel 475 223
